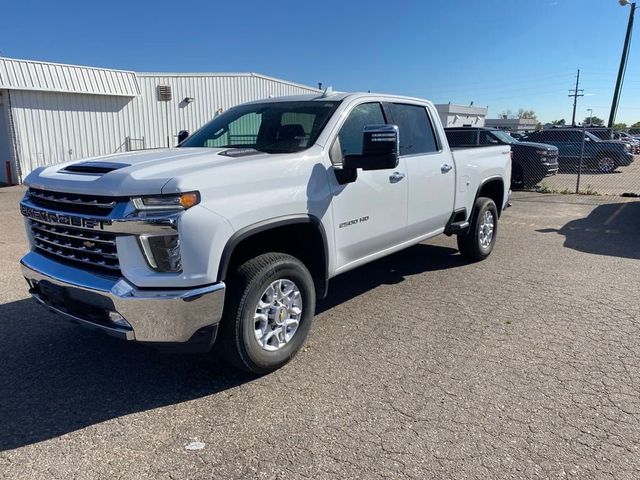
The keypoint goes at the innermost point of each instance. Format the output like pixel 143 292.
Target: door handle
pixel 396 177
pixel 446 168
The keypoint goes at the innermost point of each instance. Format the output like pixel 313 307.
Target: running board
pixel 457 227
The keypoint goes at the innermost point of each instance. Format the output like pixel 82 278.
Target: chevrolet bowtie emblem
pixel 89 244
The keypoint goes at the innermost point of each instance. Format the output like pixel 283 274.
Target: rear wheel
pixel 477 243
pixel 268 312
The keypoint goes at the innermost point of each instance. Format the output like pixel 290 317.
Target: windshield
pixel 504 136
pixel 592 136
pixel 274 127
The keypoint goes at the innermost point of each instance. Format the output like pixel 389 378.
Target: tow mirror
pixel 182 136
pixel 380 149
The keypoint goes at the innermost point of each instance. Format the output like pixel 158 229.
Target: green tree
pixel 558 122
pixel 635 125
pixel 522 113
pixel 619 126
pixel 593 121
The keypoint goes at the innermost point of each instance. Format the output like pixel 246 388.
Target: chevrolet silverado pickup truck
pixel 232 236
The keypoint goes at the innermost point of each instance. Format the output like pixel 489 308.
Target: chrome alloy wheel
pixel 486 229
pixel 606 165
pixel 277 315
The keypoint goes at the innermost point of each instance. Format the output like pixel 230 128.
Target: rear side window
pixel 462 138
pixel 416 131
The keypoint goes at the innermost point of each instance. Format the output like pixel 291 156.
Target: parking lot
pixel 419 365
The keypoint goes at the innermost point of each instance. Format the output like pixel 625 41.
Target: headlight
pixel 545 152
pixel 162 252
pixel 179 201
pixel 627 148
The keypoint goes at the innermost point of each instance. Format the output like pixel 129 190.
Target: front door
pixel 430 169
pixel 370 214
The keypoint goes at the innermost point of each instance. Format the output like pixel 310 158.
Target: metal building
pixel 453 115
pixel 51 113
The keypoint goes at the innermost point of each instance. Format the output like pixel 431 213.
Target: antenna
pixel 327 92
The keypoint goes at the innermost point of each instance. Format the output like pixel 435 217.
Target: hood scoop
pixel 93 168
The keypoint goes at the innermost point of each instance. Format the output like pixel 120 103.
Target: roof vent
pixel 164 93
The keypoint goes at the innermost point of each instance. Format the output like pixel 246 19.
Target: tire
pixel 248 289
pixel 606 164
pixel 472 245
pixel 517 178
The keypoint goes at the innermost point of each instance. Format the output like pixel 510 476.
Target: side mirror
pixel 380 149
pixel 182 136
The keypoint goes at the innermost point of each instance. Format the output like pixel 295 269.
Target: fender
pixel 270 224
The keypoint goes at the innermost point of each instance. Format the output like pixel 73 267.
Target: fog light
pixel 117 319
pixel 162 252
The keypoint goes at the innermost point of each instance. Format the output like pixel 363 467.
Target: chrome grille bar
pixel 73 202
pixel 76 245
pixel 76 233
pixel 59 252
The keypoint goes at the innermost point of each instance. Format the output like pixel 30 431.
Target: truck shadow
pixel 390 270
pixel 612 229
pixel 56 377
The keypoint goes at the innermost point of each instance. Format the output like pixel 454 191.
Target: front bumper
pixel 118 308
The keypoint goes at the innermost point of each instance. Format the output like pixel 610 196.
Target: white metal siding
pixel 53 127
pixel 55 77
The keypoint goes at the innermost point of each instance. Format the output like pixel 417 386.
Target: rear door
pixel 430 169
pixel 370 213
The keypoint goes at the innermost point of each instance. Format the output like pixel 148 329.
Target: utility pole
pixel 577 92
pixel 623 64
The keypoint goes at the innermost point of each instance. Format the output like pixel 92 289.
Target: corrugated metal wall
pixel 45 76
pixel 55 127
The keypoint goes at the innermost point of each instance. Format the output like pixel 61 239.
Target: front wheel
pixel 478 241
pixel 268 312
pixel 606 164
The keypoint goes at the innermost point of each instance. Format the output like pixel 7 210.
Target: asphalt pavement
pixel 420 365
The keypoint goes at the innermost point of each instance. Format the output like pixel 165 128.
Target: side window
pixel 416 131
pixel 575 137
pixel 488 138
pixel 350 136
pixel 460 138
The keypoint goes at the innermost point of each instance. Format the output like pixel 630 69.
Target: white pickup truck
pixel 233 235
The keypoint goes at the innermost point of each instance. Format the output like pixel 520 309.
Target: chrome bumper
pixel 120 309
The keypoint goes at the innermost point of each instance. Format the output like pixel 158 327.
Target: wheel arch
pixel 299 235
pixel 493 188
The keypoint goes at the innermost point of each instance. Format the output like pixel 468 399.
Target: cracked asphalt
pixel 417 366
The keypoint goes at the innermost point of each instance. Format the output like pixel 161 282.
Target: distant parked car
pixel 606 156
pixel 630 139
pixel 531 162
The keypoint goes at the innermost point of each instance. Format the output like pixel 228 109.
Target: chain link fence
pixel 590 161
pixel 582 160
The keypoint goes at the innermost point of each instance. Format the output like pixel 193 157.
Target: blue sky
pixel 504 54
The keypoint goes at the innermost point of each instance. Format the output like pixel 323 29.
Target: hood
pixel 538 146
pixel 132 173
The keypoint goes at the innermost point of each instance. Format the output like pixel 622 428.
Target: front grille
pixel 72 202
pixel 94 250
